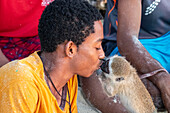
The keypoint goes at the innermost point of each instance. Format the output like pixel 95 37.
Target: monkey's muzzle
pixel 105 66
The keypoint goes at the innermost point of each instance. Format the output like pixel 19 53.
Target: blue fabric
pixel 159 49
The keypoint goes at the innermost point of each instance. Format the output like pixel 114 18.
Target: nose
pixel 105 66
pixel 102 54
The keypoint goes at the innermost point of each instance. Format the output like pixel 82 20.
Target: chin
pixel 87 75
pixel 91 73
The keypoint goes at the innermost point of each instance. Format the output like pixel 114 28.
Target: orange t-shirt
pixel 23 89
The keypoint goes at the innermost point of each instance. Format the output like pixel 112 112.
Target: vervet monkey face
pixel 115 71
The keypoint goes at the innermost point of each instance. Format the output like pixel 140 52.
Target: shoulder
pixel 16 94
pixel 16 70
pixel 20 72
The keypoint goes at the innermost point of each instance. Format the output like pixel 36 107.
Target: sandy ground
pixel 84 107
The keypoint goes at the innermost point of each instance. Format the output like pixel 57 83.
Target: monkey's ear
pixel 70 49
pixel 120 79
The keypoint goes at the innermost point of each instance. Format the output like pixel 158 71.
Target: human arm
pixel 129 20
pixel 3 59
pixel 94 93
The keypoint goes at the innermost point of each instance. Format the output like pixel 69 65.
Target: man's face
pixel 89 53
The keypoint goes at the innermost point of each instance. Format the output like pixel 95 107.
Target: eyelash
pixel 98 48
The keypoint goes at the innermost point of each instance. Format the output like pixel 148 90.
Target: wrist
pixel 146 75
pixel 159 78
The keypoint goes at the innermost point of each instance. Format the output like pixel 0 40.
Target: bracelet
pixel 152 73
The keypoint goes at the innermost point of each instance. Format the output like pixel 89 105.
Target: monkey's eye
pixel 120 79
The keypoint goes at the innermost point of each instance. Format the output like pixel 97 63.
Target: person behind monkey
pixel 140 31
pixel 71 34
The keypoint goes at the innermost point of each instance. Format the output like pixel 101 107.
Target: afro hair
pixel 66 20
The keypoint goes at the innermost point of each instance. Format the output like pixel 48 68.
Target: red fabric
pixel 18 48
pixel 19 18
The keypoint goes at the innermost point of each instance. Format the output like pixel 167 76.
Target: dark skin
pixel 3 59
pixel 129 16
pixel 92 90
pixel 127 34
pixel 66 60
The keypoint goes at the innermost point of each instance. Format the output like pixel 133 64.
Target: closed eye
pixel 98 48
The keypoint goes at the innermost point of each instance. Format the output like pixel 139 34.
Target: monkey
pixel 120 78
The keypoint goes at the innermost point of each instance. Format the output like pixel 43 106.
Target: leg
pixel 93 92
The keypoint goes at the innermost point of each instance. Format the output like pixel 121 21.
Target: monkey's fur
pixel 122 80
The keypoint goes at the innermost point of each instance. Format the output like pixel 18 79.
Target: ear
pixel 70 49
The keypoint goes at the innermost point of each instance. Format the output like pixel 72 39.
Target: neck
pixel 57 70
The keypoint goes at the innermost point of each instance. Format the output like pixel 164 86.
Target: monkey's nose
pixel 105 66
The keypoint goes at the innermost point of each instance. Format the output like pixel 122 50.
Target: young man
pixel 140 31
pixel 70 33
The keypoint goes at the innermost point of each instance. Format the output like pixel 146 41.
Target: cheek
pixel 90 58
pixel 88 63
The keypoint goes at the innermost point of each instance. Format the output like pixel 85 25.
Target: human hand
pixel 164 87
pixel 159 89
pixel 155 94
